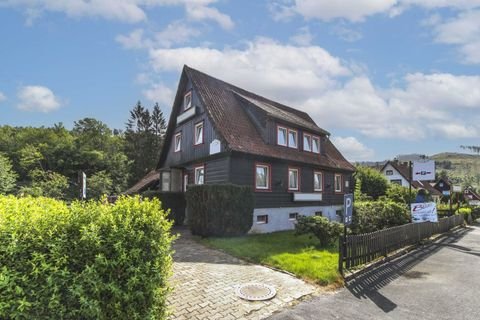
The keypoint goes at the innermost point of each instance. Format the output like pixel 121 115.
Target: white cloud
pixel 130 11
pixel 303 37
pixel 160 93
pixel 264 66
pixel 345 33
pixel 353 149
pixel 37 98
pixel 2 97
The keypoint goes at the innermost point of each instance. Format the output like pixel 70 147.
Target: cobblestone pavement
pixel 204 282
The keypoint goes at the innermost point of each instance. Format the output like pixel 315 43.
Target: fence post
pixel 341 248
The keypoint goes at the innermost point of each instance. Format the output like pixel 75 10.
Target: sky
pixel 384 77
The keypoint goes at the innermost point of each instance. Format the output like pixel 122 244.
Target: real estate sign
pixel 422 212
pixel 423 170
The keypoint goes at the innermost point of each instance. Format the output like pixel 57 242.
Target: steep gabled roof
pixel 401 168
pixel 223 104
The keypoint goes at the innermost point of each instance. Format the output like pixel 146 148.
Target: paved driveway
pixel 438 281
pixel 205 280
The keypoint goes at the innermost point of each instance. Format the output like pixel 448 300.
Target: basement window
pixel 293 216
pixel 262 219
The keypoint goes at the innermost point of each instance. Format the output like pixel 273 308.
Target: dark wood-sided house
pixel 220 133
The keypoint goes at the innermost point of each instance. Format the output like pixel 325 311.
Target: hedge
pixel 91 260
pixel 369 216
pixel 173 201
pixel 220 210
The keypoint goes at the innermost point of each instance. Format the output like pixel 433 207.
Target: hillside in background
pixel 461 168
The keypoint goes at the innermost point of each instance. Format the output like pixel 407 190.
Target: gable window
pixel 199 133
pixel 187 100
pixel 200 175
pixel 389 172
pixel 338 183
pixel 317 181
pixel 292 138
pixel 178 142
pixel 282 136
pixel 307 142
pixel 315 144
pixel 262 176
pixel 293 183
pixel 396 181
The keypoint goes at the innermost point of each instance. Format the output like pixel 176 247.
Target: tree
pixel 99 184
pixel 399 194
pixel 8 177
pixel 373 183
pixel 47 184
pixel 475 149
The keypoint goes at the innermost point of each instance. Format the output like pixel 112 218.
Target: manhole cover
pixel 256 291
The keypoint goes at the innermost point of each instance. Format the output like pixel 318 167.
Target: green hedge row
pixel 91 260
pixel 220 210
pixel 173 201
pixel 369 216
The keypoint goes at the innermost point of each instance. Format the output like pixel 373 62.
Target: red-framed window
pixel 199 133
pixel 315 144
pixel 338 183
pixel 307 142
pixel 318 181
pixel 293 179
pixel 292 138
pixel 199 174
pixel 263 177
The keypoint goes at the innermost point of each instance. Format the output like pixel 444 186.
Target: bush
pixel 400 194
pixel 91 260
pixel 220 210
pixel 372 182
pixel 475 213
pixel 371 216
pixel 173 201
pixel 325 231
pixel 467 213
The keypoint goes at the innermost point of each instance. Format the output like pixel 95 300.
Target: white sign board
pixel 423 170
pixel 422 212
pixel 84 185
pixel 457 188
pixel 215 146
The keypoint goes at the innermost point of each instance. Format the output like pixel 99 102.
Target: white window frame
pixel 298 179
pixel 197 174
pixel 279 128
pixel 309 144
pixel 389 172
pixel 267 176
pixel 337 175
pixel 198 139
pixel 187 96
pixel 178 147
pixel 260 219
pixel 321 181
pixel 316 138
pixel 296 139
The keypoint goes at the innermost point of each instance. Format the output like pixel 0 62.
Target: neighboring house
pixel 399 173
pixel 443 186
pixel 471 197
pixel 219 133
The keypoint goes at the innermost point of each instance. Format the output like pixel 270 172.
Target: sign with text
pixel 457 188
pixel 348 208
pixel 423 170
pixel 422 212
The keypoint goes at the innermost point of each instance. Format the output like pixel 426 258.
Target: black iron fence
pixel 356 250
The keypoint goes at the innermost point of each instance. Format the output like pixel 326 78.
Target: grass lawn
pixel 299 255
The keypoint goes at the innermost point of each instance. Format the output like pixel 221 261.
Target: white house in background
pixel 396 172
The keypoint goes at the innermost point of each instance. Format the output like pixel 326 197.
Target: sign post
pixel 347 220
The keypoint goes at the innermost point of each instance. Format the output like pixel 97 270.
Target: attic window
pixel 282 136
pixel 292 138
pixel 316 144
pixel 307 142
pixel 389 172
pixel 199 133
pixel 187 100
pixel 178 142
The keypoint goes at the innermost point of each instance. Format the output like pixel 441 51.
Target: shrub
pixel 8 177
pixel 173 201
pixel 467 213
pixel 220 210
pixel 91 260
pixel 325 231
pixel 370 216
pixel 400 194
pixel 373 183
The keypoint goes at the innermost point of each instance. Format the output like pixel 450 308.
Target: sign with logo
pixel 422 212
pixel 446 192
pixel 348 208
pixel 423 170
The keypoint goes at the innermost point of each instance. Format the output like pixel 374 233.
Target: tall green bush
pixel 92 260
pixel 220 210
pixel 8 177
pixel 371 216
pixel 324 230
pixel 372 182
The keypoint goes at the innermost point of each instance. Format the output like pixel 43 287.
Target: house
pixel 220 133
pixel 444 186
pixel 471 197
pixel 399 173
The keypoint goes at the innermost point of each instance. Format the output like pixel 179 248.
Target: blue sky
pixel 385 77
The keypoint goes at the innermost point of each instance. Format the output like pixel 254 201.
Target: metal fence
pixel 361 249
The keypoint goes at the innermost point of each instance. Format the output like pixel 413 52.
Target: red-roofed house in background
pixel 220 133
pixel 471 197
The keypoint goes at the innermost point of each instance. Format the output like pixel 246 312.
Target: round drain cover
pixel 256 291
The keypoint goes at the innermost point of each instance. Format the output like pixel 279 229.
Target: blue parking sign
pixel 348 208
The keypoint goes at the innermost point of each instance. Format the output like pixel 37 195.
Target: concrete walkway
pixel 205 280
pixel 438 281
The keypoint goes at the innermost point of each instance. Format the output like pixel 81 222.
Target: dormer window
pixel 178 142
pixel 282 136
pixel 315 144
pixel 199 133
pixel 187 100
pixel 292 138
pixel 307 142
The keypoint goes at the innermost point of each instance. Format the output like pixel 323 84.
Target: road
pixel 437 281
